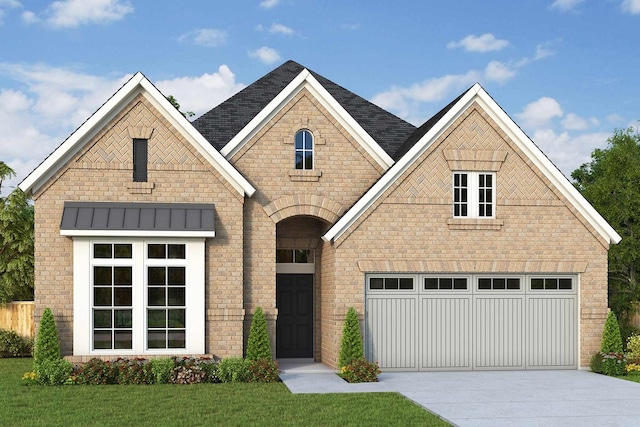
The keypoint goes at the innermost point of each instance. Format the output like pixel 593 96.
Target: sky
pixel 565 70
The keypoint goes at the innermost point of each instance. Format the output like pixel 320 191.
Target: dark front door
pixel 294 326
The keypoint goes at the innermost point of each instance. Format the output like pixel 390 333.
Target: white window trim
pixel 303 150
pixel 473 201
pixel 82 294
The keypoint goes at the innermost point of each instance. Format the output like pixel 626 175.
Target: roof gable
pixel 137 85
pixel 228 125
pixel 425 136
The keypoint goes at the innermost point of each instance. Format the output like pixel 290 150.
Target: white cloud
pixel 498 72
pixel 574 122
pixel 54 101
pixel 631 6
pixel 269 4
pixel 568 152
pixel 351 27
pixel 73 13
pixel 265 54
pixel 566 5
pixel 484 43
pixel 7 4
pixel 201 93
pixel 405 101
pixel 29 17
pixel 539 113
pixel 281 29
pixel 207 37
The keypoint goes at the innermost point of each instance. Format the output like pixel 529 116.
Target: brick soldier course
pixel 338 209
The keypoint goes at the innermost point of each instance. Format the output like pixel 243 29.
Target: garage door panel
pixel 499 332
pixel 445 333
pixel 391 332
pixel 552 337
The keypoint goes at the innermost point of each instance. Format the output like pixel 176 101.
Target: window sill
pixel 140 187
pixel 475 223
pixel 305 175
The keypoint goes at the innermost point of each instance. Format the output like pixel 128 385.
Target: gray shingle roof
pixel 223 122
pixel 137 216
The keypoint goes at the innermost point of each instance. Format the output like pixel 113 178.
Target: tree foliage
pixel 174 102
pixel 258 345
pixel 611 183
pixel 351 347
pixel 16 244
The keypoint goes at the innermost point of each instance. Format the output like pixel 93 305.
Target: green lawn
pixel 631 376
pixel 195 405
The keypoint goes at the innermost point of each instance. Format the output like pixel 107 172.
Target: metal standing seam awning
pixel 137 219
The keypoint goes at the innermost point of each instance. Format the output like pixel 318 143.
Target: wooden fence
pixel 18 316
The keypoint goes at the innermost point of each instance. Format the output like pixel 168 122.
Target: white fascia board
pixel 75 141
pixel 185 127
pixel 137 233
pixel 556 177
pixel 136 85
pixel 396 170
pixel 306 80
pixel 476 93
pixel 263 116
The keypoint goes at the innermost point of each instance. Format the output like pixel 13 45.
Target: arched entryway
pixel 298 261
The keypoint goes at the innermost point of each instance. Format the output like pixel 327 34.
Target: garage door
pixel 449 322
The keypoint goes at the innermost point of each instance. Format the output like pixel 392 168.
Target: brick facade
pixel 408 229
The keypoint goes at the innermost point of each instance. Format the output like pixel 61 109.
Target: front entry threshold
pixel 303 366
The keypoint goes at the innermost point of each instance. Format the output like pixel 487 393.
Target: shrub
pixel 613 364
pixel 53 371
pixel 233 370
pixel 633 346
pixel 47 345
pixel 188 370
pixel 258 345
pixel 611 340
pixel 633 367
pixel 12 344
pixel 360 371
pixel 133 371
pixel 351 347
pixel 161 370
pixel 96 371
pixel 263 371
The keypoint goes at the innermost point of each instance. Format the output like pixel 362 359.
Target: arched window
pixel 304 150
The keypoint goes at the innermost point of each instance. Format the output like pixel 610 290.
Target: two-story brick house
pixel 458 242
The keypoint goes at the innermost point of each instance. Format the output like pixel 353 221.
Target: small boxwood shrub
pixel 360 371
pixel 53 371
pixel 12 344
pixel 233 370
pixel 263 371
pixel 161 369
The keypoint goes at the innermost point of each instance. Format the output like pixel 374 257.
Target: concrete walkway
pixel 493 398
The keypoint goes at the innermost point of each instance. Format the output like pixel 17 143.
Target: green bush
pixel 12 344
pixel 96 371
pixel 596 363
pixel 633 346
pixel 189 370
pixel 53 371
pixel 258 345
pixel 263 371
pixel 233 370
pixel 611 339
pixel 612 364
pixel 47 345
pixel 133 371
pixel 360 371
pixel 161 369
pixel 351 347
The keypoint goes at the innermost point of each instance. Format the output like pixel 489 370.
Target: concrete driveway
pixel 494 398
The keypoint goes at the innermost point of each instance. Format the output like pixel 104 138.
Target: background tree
pixel 16 243
pixel 174 102
pixel 611 183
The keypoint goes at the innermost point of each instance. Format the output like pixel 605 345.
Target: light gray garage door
pixel 447 322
